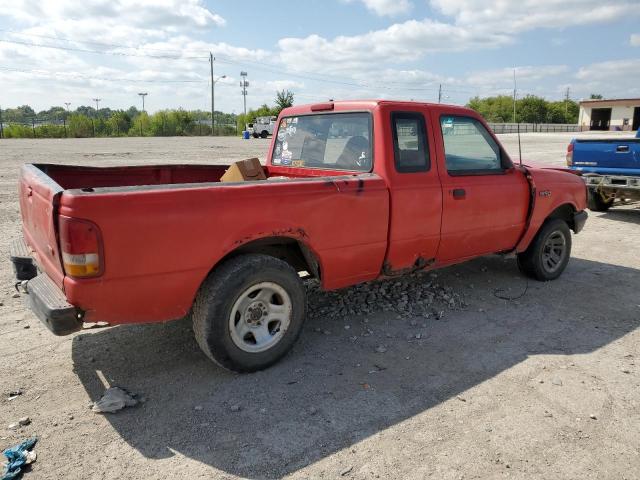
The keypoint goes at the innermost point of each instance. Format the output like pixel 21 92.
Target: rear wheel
pixel 548 255
pixel 597 203
pixel 264 134
pixel 249 312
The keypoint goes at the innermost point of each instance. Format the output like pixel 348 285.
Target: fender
pixel 550 189
pixel 255 232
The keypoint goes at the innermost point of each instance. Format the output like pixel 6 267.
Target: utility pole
pixel 213 111
pixel 566 104
pixel 97 100
pixel 244 84
pixel 440 93
pixel 67 105
pixel 143 94
pixel 514 95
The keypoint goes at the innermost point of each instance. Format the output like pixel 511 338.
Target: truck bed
pixel 161 228
pixel 607 156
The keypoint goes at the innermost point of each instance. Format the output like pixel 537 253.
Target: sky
pixel 52 52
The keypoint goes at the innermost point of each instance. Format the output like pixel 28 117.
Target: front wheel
pixel 549 252
pixel 264 134
pixel 249 312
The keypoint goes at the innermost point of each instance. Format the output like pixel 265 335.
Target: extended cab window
pixel 468 147
pixel 336 141
pixel 409 142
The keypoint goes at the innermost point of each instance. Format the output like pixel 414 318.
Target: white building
pixel 623 114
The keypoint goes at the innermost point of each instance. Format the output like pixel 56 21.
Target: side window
pixel 410 142
pixel 468 147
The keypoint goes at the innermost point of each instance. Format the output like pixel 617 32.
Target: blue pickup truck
pixel 610 168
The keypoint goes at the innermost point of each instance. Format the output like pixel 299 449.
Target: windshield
pixel 336 141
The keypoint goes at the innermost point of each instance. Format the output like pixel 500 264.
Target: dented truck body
pixel 421 186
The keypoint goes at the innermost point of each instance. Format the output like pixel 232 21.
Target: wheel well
pixel 292 251
pixel 564 212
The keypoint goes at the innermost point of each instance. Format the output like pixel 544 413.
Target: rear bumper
pixel 45 298
pixel 579 219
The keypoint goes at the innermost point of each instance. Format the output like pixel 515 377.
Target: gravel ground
pixel 467 372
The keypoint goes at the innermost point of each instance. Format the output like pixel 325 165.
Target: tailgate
pixel 607 156
pixel 39 198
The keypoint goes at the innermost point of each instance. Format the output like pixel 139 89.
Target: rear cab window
pixel 469 148
pixel 334 141
pixel 411 152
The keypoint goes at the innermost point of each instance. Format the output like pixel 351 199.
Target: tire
pixel 229 312
pixel 264 134
pixel 542 259
pixel 255 135
pixel 598 204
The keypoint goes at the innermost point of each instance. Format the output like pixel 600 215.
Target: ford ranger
pixel 610 168
pixel 354 191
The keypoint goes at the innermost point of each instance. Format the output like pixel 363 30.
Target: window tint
pixel 337 141
pixel 409 142
pixel 468 147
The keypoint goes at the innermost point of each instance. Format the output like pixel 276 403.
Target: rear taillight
pixel 570 155
pixel 81 245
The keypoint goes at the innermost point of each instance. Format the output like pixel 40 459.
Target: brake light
pixel 570 155
pixel 81 245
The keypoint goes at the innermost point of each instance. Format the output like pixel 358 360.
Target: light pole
pixel 244 84
pixel 143 94
pixel 213 111
pixel 97 100
pixel 67 105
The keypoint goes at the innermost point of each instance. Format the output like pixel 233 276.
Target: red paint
pixel 161 240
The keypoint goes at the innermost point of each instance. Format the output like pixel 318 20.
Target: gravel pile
pixel 415 295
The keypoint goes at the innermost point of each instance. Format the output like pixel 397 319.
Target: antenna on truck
pixel 515 96
pixel 519 145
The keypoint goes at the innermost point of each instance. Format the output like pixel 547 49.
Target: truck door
pixel 416 194
pixel 485 199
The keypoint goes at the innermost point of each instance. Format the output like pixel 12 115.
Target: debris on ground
pixel 17 457
pixel 409 296
pixel 14 393
pixel 114 399
pixel 235 408
pixel 346 470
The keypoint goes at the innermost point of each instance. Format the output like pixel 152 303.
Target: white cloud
pixel 634 40
pixel 474 24
pixel 400 42
pixel 524 74
pixel 615 78
pixel 516 16
pixel 138 13
pixel 386 7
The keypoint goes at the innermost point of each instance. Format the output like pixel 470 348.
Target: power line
pixel 100 52
pixel 91 77
pixel 90 42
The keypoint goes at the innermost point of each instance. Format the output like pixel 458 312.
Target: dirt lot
pixel 542 386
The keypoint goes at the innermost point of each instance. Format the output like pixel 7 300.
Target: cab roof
pixel 342 105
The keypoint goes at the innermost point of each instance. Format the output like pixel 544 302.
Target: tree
pixel 531 109
pixel 284 99
pixel 119 123
pixel 80 126
pixel 494 109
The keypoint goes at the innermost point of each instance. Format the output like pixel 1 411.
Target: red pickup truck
pixel 354 191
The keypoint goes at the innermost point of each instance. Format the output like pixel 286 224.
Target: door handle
pixel 29 192
pixel 459 193
pixel 622 148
